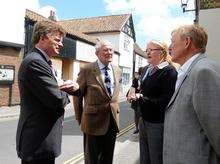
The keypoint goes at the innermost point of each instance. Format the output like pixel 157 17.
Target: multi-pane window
pixel 126 43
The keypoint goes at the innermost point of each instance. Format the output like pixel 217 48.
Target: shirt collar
pixel 101 66
pixel 187 64
pixel 162 65
pixel 45 55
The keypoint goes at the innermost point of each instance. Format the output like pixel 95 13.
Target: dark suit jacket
pixel 94 116
pixel 39 129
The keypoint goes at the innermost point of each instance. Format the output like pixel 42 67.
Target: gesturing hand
pixel 69 86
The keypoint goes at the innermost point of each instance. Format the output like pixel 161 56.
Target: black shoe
pixel 136 131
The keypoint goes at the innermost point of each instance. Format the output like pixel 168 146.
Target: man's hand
pixel 134 97
pixel 69 86
pixel 138 95
pixel 131 97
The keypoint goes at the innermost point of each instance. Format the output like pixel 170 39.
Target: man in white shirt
pixel 192 119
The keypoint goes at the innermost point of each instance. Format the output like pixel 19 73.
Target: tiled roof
pixel 112 23
pixel 80 27
pixel 15 45
pixel 37 17
pixel 138 50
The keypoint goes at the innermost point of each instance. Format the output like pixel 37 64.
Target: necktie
pixel 153 70
pixel 52 68
pixel 107 81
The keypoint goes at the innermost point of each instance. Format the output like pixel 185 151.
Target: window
pixel 126 43
pixel 125 76
pixel 140 62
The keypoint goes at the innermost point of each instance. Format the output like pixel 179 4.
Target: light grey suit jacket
pixel 192 118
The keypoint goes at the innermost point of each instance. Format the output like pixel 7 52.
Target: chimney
pixel 52 16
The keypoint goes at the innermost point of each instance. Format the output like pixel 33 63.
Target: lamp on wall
pixel 196 9
pixel 184 4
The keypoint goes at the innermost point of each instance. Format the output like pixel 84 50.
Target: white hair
pixel 100 43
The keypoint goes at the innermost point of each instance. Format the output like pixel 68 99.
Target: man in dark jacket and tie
pixel 39 131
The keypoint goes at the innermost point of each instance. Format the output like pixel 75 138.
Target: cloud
pixel 152 19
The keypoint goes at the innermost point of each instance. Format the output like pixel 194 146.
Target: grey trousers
pixel 151 142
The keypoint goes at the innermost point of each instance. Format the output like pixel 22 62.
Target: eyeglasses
pixel 152 49
pixel 108 50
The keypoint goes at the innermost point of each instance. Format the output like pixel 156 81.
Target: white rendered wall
pixel 111 37
pixel 126 57
pixel 210 20
pixel 140 62
pixel 85 52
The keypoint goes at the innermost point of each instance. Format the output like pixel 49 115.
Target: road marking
pixel 67 120
pixel 9 118
pixel 80 156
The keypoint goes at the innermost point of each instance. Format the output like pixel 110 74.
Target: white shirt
pixel 162 65
pixel 110 72
pixel 183 69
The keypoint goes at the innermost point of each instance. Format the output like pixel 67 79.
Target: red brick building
pixel 10 55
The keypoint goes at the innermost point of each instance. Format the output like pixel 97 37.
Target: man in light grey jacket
pixel 192 119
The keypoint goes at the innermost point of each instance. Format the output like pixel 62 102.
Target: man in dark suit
pixel 39 130
pixel 99 117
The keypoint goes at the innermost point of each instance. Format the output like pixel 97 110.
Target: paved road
pixel 72 137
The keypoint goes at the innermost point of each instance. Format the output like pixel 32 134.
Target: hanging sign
pixel 7 74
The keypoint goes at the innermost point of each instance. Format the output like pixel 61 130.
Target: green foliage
pixel 207 4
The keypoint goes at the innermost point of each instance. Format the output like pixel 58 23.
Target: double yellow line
pixel 80 156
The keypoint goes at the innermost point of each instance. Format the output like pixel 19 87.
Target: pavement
pixel 9 112
pixel 127 151
pixel 12 112
pixel 126 148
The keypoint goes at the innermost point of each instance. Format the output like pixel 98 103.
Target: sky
pixel 153 19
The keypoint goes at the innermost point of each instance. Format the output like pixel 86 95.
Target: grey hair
pixel 196 33
pixel 100 43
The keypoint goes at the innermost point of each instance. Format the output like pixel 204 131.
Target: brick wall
pixel 10 56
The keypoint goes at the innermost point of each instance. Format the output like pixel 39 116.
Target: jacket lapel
pixel 116 81
pixel 98 75
pixel 185 76
pixel 145 71
pixel 177 90
pixel 47 59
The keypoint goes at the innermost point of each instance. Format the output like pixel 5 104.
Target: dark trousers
pixel 100 149
pixel 40 161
